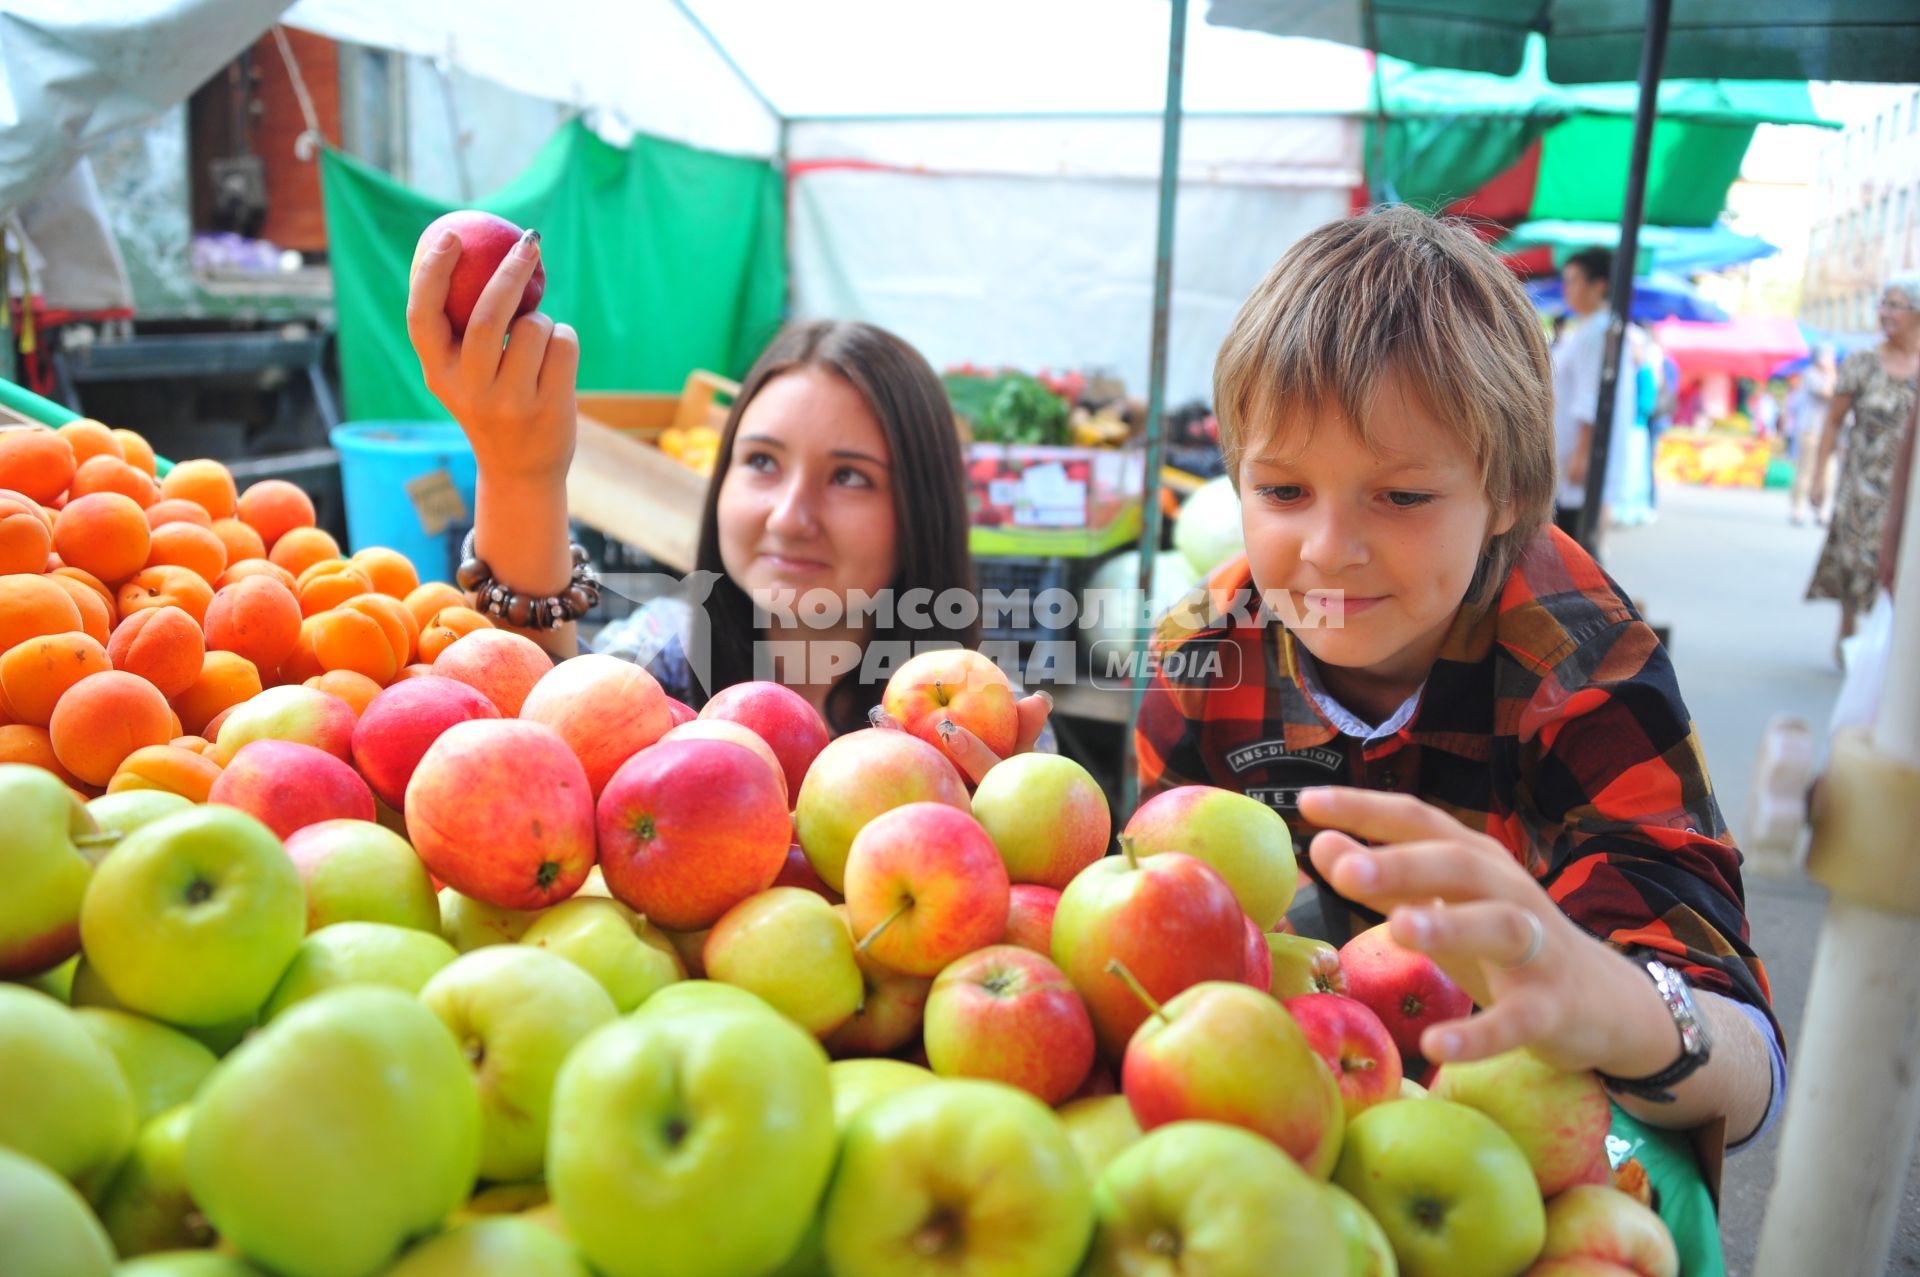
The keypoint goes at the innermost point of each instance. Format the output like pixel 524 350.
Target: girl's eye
pixel 852 478
pixel 761 461
pixel 1282 493
pixel 1409 500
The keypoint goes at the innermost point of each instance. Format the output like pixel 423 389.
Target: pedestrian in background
pixel 1806 418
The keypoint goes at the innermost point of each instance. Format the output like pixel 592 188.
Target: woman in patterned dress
pixel 1877 386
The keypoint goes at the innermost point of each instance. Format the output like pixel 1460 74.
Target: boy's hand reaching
pixel 511 388
pixel 1462 898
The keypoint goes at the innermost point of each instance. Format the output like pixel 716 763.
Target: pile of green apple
pixel 929 1031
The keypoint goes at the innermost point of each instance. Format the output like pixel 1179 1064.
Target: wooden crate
pixel 622 485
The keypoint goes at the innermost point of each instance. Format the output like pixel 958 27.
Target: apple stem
pixel 1126 849
pixel 103 839
pixel 1119 968
pixel 882 925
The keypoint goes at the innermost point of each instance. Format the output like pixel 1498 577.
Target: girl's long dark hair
pixel 929 496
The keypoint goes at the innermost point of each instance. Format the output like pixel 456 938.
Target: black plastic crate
pixel 1033 576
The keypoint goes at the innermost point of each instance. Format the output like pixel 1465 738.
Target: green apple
pixel 1203 1197
pixel 1246 841
pixel 1101 1127
pixel 1412 1090
pixel 1598 1222
pixel 500 1247
pixel 357 871
pixel 63 1100
pixel 699 995
pixel 358 953
pixel 858 1083
pixel 192 918
pixel 628 955
pixel 187 1263
pixel 516 1012
pixel 971 1178
pixel 147 1207
pixel 46 1229
pixel 1047 815
pixel 163 1066
pixel 1560 1120
pixel 128 810
pixel 892 1007
pixel 501 1199
pixel 336 1133
pixel 1303 965
pixel 44 867
pixel 691 1141
pixel 468 924
pixel 788 946
pixel 1369 1253
pixel 1452 1191
pixel 89 990
pixel 55 982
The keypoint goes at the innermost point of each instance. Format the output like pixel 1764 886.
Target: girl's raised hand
pixel 508 382
pixel 968 752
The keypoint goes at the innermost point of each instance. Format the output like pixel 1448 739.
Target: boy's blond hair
pixel 1397 293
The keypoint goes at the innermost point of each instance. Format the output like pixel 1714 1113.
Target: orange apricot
pixel 36 461
pixel 103 533
pixel 174 510
pixel 189 546
pixel 354 688
pixel 275 507
pixel 304 663
pixel 162 645
pixel 165 586
pixel 347 639
pixel 102 719
pixel 25 538
pixel 402 631
pixel 96 616
pixel 244 568
pixel 89 439
pixel 257 617
pixel 34 674
pixel 31 606
pixel 390 571
pixel 110 474
pixel 168 768
pixel 301 548
pixel 139 453
pixel 205 482
pixel 226 679
pixel 427 601
pixel 449 624
pixel 242 542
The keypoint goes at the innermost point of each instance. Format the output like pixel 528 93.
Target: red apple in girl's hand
pixel 955 684
pixel 485 241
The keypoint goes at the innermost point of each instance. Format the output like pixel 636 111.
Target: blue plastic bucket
pixel 395 477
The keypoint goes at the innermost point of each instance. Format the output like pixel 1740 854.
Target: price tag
pixel 436 502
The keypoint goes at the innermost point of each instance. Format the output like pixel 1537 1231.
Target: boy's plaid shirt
pixel 1551 722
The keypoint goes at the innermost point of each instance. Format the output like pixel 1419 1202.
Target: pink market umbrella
pixel 1744 346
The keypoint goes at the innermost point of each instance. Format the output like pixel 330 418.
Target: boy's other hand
pixel 508 382
pixel 1463 899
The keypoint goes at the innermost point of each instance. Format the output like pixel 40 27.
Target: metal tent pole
pixel 1653 53
pixel 1853 1106
pixel 1156 378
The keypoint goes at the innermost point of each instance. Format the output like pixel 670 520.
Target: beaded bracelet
pixel 528 611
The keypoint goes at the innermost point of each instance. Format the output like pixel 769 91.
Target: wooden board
pixel 631 491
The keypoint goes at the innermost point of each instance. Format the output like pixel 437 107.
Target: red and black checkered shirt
pixel 1551 721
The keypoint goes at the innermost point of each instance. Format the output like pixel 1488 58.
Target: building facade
pixel 1866 202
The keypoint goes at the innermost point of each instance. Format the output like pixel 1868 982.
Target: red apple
pixel 956 684
pixel 924 887
pixel 485 241
pixel 499 810
pixel 798 872
pixel 1169 918
pixel 779 716
pixel 1560 1120
pixel 1259 958
pixel 605 708
pixel 1009 1015
pixel 289 786
pixel 724 729
pixel 890 1016
pixel 1602 1225
pixel 1355 1045
pixel 856 778
pixel 689 829
pixel 502 665
pixel 1030 917
pixel 401 724
pixel 681 711
pixel 1246 841
pixel 1407 990
pixel 1221 1052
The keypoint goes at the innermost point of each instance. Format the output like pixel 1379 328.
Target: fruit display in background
pixel 1006 1014
pixel 630 957
pixel 358 871
pixel 1355 1045
pixel 485 241
pixel 1169 919
pixel 1243 839
pixel 1046 814
pixel 45 870
pixel 857 777
pixel 499 810
pixel 954 685
pixel 1222 1052
pixel 192 918
pixel 1207 530
pixel 691 1141
pixel 335 1134
pixel 956 1176
pixel 1406 989
pixel 779 716
pixel 1560 1120
pixel 690 828
pixel 517 1012
pixel 925 886
pixel 1452 1191
pixel 1220 1199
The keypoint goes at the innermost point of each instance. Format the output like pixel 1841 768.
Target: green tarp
pixel 663 257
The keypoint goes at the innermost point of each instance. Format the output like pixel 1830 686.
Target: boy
pixel 1385 407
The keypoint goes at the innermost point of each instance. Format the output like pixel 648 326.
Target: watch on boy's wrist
pixel 1696 1040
